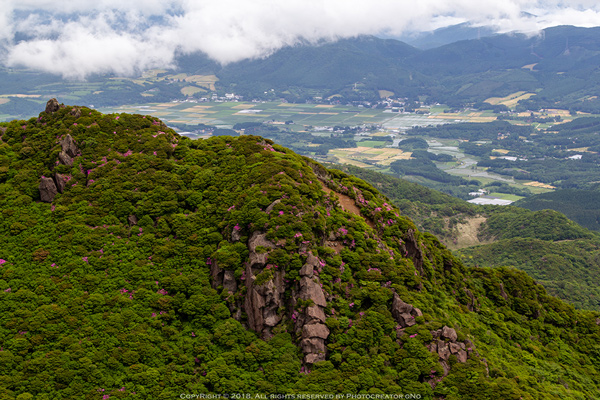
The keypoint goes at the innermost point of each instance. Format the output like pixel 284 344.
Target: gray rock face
pixel 307 270
pixel 315 313
pixel 272 205
pixel 235 235
pixel 258 258
pixel 76 112
pixel 313 345
pixel 47 189
pixel 315 331
pixel 52 106
pixel 68 146
pixel 449 333
pixel 64 159
pixel 229 282
pixel 263 302
pixel 61 182
pixel 310 290
pixel 443 350
pixel 461 356
pixel 404 313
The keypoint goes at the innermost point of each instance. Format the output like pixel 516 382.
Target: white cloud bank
pixel 83 37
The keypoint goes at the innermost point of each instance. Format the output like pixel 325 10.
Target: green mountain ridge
pixel 156 265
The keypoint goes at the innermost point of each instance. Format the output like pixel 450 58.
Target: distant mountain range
pixel 560 64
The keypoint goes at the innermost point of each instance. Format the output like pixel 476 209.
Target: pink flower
pixel 281 212
pixel 8 290
pixel 84 259
pixel 2 261
pixel 413 336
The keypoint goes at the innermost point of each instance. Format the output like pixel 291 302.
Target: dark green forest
pixel 139 264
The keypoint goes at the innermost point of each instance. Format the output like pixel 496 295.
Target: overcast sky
pixel 82 37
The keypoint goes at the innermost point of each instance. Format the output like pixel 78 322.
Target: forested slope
pixel 140 264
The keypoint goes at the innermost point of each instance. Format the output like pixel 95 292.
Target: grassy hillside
pixel 232 265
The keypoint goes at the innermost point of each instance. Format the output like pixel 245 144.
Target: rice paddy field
pixel 304 116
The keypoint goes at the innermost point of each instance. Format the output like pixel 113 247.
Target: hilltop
pixel 137 263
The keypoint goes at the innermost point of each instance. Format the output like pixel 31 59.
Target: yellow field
pixel 324 106
pixel 385 93
pixel 510 100
pixel 358 155
pixel 4 100
pixel 243 106
pixel 501 151
pixel 191 90
pixel 529 66
pixel 203 80
pixel 328 113
pixel 539 184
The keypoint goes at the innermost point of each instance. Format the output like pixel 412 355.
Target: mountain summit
pixel 137 263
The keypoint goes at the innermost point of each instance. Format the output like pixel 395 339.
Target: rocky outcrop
pixel 132 220
pixel 258 257
pixel 52 106
pixel 445 343
pixel 413 249
pixel 64 159
pixel 69 146
pixel 61 181
pixel 76 112
pixel 272 205
pixel 263 301
pixel 311 322
pixel 47 189
pixel 404 313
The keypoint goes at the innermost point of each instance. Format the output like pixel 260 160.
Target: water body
pixel 465 163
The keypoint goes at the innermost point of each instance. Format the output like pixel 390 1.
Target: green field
pixel 227 114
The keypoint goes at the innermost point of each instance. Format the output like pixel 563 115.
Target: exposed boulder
pixel 259 239
pixel 61 182
pixel 52 106
pixel 235 235
pixel 47 189
pixel 313 345
pixel 272 205
pixel 315 313
pixel 315 331
pixel 76 112
pixel 64 159
pixel 229 282
pixel 307 270
pixel 68 146
pixel 311 290
pixel 449 333
pixel 443 350
pixel 132 220
pixel 404 313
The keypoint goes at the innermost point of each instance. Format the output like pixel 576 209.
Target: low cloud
pixel 76 39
